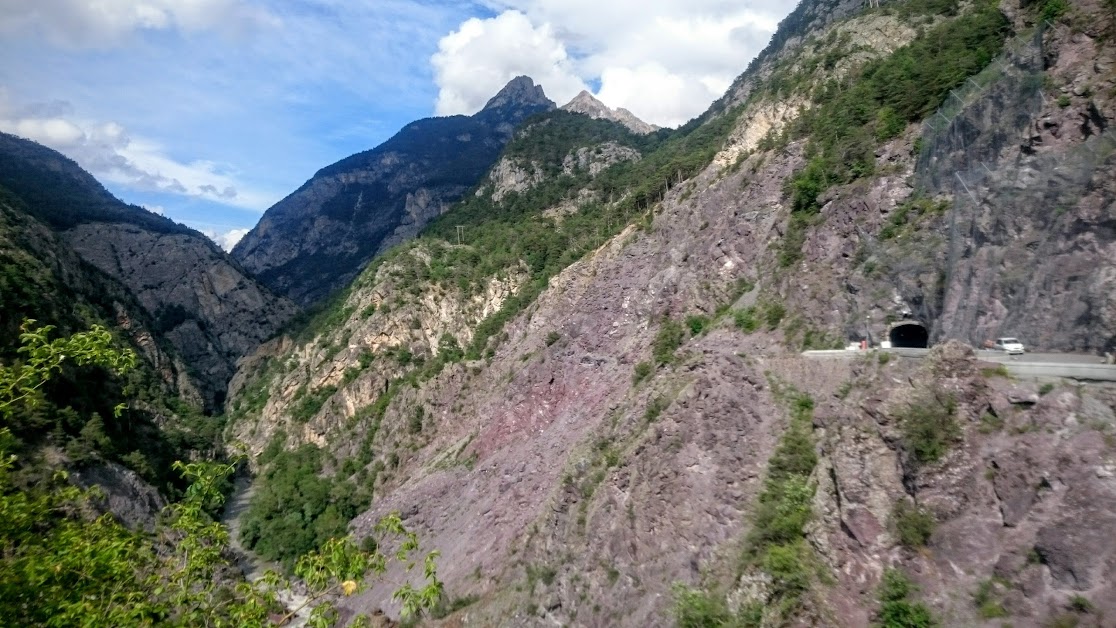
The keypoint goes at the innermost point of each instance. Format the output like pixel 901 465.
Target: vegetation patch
pixel 913 524
pixel 768 313
pixel 909 212
pixel 655 408
pixel 670 337
pixel 996 371
pixel 929 427
pixel 776 544
pixel 309 404
pixel 698 608
pixel 697 324
pixel 296 510
pixel 897 609
pixel 987 599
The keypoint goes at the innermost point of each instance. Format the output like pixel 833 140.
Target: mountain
pixel 316 240
pixel 72 422
pixel 586 104
pixel 583 384
pixel 197 297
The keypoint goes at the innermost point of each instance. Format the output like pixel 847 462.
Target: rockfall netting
pixel 1031 210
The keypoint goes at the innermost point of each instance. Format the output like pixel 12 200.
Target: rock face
pixel 135 503
pixel 318 239
pixel 585 104
pixel 1032 233
pixel 197 297
pixel 356 358
pixel 202 301
pixel 596 159
pixel 45 280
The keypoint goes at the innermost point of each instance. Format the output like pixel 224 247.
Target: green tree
pixel 62 566
pixel 43 359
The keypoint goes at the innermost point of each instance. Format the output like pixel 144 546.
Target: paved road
pixel 1068 365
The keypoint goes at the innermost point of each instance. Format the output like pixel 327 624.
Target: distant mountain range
pixel 193 294
pixel 316 240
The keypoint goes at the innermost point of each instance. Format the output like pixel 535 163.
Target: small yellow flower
pixel 349 587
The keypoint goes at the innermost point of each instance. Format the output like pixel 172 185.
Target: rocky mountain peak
pixel 587 104
pixel 520 92
pixel 316 240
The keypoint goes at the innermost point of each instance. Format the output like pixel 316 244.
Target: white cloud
pixel 481 56
pixel 665 60
pixel 107 151
pixel 156 209
pixel 85 24
pixel 227 239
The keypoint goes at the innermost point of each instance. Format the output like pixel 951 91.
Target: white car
pixel 1011 345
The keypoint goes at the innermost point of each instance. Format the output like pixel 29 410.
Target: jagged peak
pixel 587 104
pixel 583 101
pixel 520 91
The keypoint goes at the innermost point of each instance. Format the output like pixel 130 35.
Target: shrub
pixel 996 371
pixel 655 408
pixel 773 313
pixel 448 349
pixel 789 566
pixel 694 608
pixel 990 423
pixel 642 371
pixel 697 324
pixel 403 356
pixel 310 404
pixel 1053 9
pixel 670 337
pixel 914 525
pixel 745 320
pixel 1080 604
pixel 552 338
pixel 896 608
pixel 415 424
pixel 929 428
pixel 1046 388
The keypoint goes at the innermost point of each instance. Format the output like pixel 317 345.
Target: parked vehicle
pixel 1011 345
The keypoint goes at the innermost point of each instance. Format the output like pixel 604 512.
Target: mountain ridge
pixel 203 301
pixel 587 104
pixel 313 242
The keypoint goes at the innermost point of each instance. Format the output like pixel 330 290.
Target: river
pixel 252 565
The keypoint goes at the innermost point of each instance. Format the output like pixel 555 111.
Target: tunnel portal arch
pixel 909 335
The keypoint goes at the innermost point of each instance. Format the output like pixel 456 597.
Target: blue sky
pixel 209 111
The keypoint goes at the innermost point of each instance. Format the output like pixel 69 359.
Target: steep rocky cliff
pixel 196 296
pixel 315 241
pixel 590 397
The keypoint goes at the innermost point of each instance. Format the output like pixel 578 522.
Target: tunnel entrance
pixel 909 335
